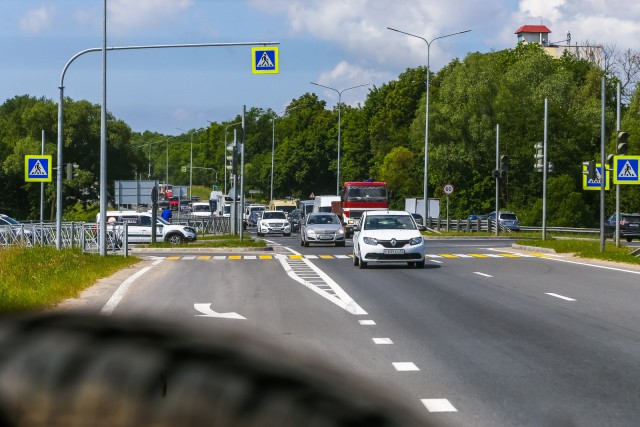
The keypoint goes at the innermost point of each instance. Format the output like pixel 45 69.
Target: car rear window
pixel 630 218
pixel 511 217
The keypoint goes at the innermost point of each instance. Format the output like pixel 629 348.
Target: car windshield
pixel 274 215
pixel 201 208
pixel 10 220
pixel 323 219
pixel 382 222
pixel 368 193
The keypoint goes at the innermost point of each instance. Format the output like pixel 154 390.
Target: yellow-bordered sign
pixel 626 170
pixel 594 184
pixel 37 168
pixel 265 60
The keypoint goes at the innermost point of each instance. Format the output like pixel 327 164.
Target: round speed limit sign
pixel 448 189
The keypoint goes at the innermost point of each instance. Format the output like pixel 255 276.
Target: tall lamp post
pixel 190 161
pixel 339 92
pixel 426 130
pixel 273 143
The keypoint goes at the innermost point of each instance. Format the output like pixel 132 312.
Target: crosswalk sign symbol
pixel 37 168
pixel 264 60
pixel 625 170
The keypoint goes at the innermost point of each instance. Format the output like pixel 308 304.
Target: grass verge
pixel 40 277
pixel 222 241
pixel 586 249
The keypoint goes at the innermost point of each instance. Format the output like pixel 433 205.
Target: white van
pixel 202 209
pixel 323 203
pixel 139 227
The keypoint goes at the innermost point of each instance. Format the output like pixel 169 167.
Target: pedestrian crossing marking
pixel 332 257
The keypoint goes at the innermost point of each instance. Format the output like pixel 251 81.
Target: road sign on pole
pixel 265 60
pixel 594 184
pixel 448 189
pixel 37 168
pixel 625 170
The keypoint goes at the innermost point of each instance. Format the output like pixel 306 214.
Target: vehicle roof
pixel 200 203
pixel 385 213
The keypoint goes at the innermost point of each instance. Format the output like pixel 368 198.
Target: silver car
pixel 321 227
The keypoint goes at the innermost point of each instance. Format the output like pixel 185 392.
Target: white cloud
pixel 346 75
pixel 37 20
pixel 181 115
pixel 127 15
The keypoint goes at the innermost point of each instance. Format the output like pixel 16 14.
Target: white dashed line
pixel 405 366
pixel 382 341
pixel 559 296
pixel 436 261
pixel 367 322
pixel 189 257
pixel 482 274
pixel 342 256
pixel 438 405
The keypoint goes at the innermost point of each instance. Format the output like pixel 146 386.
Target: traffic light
pixel 71 167
pixel 232 158
pixel 592 174
pixel 504 166
pixel 539 156
pixel 622 143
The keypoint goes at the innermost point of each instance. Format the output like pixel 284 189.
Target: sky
pixel 336 43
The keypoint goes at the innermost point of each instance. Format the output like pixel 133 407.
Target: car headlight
pixel 370 241
pixel 310 232
pixel 340 231
pixel 415 241
pixel 350 221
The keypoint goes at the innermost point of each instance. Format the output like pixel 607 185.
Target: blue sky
pixel 337 43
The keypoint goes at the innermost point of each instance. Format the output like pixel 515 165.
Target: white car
pixel 273 222
pixel 388 236
pixel 202 209
pixel 139 227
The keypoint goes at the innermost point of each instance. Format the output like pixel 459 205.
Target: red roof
pixel 532 29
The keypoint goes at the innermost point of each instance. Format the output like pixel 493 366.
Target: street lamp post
pixel 273 143
pixel 190 161
pixel 426 130
pixel 339 92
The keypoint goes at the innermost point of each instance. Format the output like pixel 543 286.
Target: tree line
pixel 382 139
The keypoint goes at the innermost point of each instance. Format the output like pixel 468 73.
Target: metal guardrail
pixel 85 235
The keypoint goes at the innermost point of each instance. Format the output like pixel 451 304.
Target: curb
pixel 534 249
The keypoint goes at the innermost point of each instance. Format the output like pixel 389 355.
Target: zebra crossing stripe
pixel 205 257
pixel 266 256
pixel 302 257
pixel 235 257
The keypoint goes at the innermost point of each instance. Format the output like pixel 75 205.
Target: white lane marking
pixel 438 405
pixel 339 296
pixel 189 257
pixel 405 366
pixel 207 311
pixel 382 341
pixel 436 261
pixel 157 260
pixel 434 256
pixel 250 257
pixel 119 293
pixel 219 257
pixel 367 322
pixel 482 274
pixel 342 256
pixel 311 256
pixel 559 296
pixel 463 256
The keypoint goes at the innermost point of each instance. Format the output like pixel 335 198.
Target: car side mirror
pixel 422 228
pixel 356 228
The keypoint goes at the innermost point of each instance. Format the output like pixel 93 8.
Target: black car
pixel 295 217
pixel 629 226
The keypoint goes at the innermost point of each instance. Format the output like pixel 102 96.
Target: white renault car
pixel 388 236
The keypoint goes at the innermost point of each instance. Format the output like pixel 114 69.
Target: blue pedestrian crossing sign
pixel 625 170
pixel 264 60
pixel 37 168
pixel 594 184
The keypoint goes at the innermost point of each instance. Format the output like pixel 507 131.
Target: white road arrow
pixel 207 311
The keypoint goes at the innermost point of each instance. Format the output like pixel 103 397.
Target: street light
pixel 426 130
pixel 339 92
pixel 191 161
pixel 273 143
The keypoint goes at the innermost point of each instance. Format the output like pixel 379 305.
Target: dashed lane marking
pixel 438 405
pixel 431 257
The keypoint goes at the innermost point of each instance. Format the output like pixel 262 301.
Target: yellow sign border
pixel 585 178
pixel 26 168
pixel 615 170
pixel 254 65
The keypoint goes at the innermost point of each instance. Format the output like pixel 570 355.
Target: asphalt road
pixel 482 336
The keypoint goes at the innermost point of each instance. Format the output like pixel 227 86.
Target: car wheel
pixel 301 242
pixel 175 239
pixel 629 239
pixel 356 260
pixel 362 264
pixel 306 244
pixel 286 234
pixel 420 264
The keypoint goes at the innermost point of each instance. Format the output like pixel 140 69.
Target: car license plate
pixel 326 237
pixel 393 251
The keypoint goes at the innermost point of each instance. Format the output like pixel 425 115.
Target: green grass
pixel 40 277
pixel 222 241
pixel 586 249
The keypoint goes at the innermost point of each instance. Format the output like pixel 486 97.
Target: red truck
pixel 357 197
